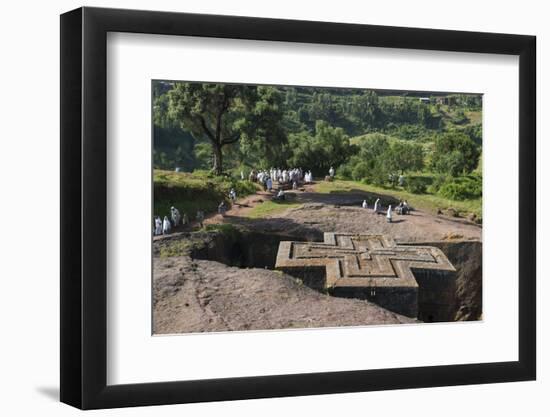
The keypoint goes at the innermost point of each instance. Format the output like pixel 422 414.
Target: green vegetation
pixel 425 145
pixel 176 248
pixel 226 229
pixel 328 147
pixel 197 240
pixel 269 208
pixel 197 191
pixel 455 154
pixel 228 127
pixel 427 202
pixel 223 114
pixel 463 188
pixel 447 167
pixel 379 159
pixel 416 185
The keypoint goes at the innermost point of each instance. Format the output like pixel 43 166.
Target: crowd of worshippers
pixel 294 177
pixel 166 225
pixel 402 208
pixel 283 177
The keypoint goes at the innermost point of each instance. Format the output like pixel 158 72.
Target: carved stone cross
pixel 367 266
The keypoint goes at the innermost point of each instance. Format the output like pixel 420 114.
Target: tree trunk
pixel 218 164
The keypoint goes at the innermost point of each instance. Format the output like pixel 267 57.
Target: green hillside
pixel 421 143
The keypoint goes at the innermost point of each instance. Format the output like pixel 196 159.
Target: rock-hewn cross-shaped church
pixel 417 281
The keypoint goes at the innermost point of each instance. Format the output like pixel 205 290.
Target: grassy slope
pixel 269 208
pixel 475 117
pixel 356 140
pixel 426 202
pixel 190 192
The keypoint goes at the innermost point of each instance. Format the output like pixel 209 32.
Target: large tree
pixel 211 111
pixel 364 110
pixel 224 114
pixel 403 156
pixel 455 154
pixel 329 146
pixel 264 137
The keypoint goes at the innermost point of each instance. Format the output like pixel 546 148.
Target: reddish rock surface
pixel 205 296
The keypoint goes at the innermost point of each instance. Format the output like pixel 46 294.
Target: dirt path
pixel 241 207
pixel 343 212
pixel 328 212
pixel 198 295
pixel 418 226
pixel 244 205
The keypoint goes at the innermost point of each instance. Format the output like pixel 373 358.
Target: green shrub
pixel 409 132
pixel 242 188
pixel 437 182
pixel 197 191
pixel 454 154
pixel 228 230
pixel 462 188
pixel 416 185
pixel 378 176
pixel 459 117
pixel 360 171
pixel 345 171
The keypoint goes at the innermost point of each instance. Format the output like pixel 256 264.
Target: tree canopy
pixel 224 114
pixel 329 146
pixel 364 134
pixel 455 153
pixel 378 158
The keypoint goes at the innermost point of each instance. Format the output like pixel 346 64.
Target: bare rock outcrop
pixel 205 296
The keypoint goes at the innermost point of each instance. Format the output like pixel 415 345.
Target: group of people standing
pixel 283 177
pixel 402 208
pixel 293 176
pixel 165 226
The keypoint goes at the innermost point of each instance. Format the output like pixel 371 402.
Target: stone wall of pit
pixel 445 297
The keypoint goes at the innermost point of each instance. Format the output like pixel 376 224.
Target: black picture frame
pixel 84 207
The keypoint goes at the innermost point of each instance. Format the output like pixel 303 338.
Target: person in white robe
pixel 365 205
pixel 331 172
pixel 166 226
pixel 175 215
pixel 269 184
pixel 158 226
pixel 376 205
pixel 389 215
